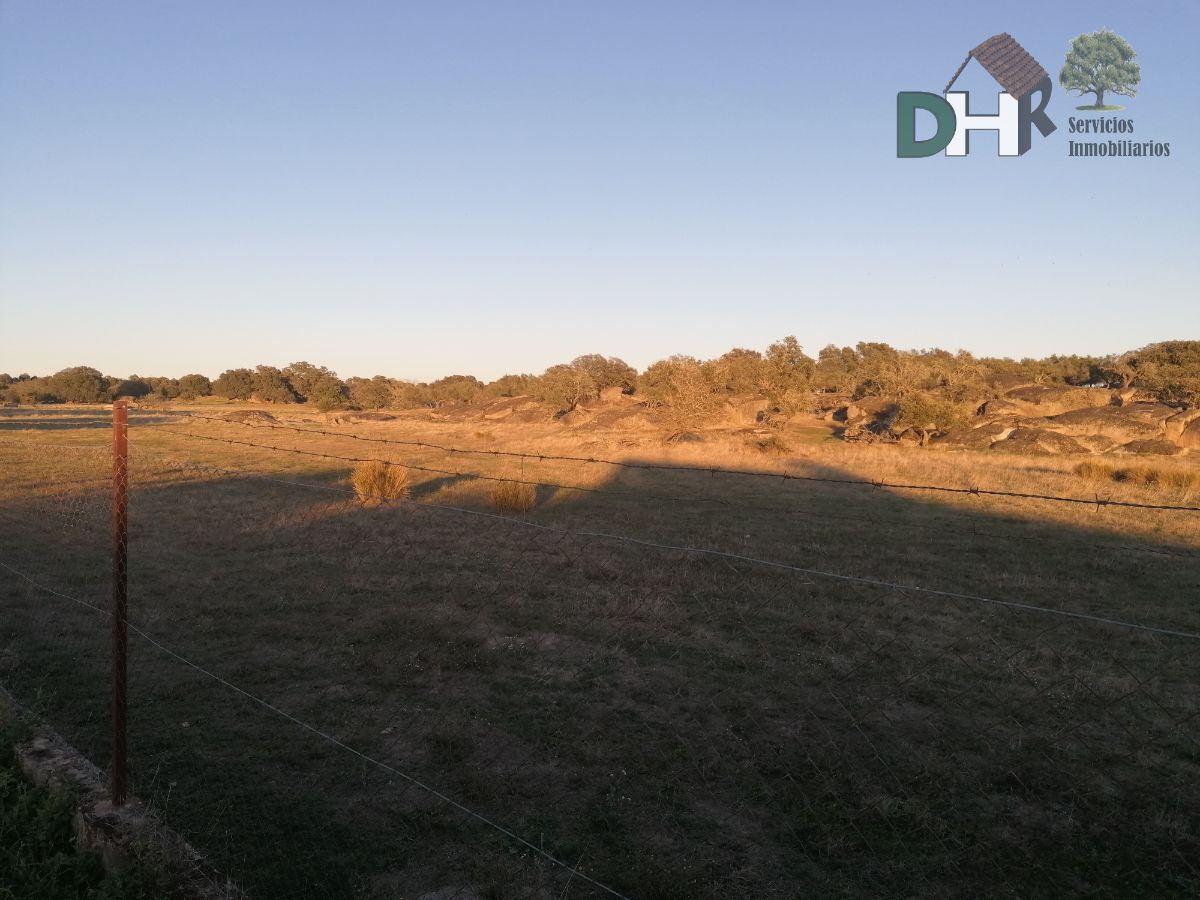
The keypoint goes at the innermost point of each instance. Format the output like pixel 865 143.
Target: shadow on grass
pixel 681 724
pixel 49 418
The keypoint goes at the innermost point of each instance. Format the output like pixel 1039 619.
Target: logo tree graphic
pixel 1100 63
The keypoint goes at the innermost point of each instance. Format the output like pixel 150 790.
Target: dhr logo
pixel 1018 73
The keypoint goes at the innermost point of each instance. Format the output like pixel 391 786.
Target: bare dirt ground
pixel 827 705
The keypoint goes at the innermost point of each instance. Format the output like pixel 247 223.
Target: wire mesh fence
pixel 338 695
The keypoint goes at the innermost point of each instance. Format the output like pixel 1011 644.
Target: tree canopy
pixel 234 384
pixel 1098 63
pixel 688 389
pixel 79 384
pixel 271 386
pixel 193 386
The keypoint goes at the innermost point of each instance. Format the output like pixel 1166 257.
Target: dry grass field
pixel 683 684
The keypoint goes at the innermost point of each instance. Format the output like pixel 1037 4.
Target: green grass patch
pixel 38 855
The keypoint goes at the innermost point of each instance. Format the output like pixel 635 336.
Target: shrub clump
pixel 926 411
pixel 513 497
pixel 378 482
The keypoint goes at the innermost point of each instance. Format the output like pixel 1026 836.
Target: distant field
pixel 673 724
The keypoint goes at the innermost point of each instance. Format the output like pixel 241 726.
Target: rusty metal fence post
pixel 120 561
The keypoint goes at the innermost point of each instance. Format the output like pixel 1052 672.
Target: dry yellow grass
pixel 1142 475
pixel 1095 471
pixel 513 497
pixel 377 482
pixel 1158 476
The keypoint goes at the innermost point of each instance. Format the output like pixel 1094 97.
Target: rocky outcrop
pixel 355 417
pixel 979 437
pixel 249 417
pixel 1112 422
pixel 1124 396
pixel 746 409
pixel 1152 413
pixel 999 407
pixel 1003 382
pixel 1189 438
pixel 1127 425
pixel 1096 443
pixel 1053 400
pixel 1141 428
pixel 506 409
pixel 575 417
pixel 1177 425
pixel 1153 447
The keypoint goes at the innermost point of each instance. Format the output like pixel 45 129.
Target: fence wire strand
pixel 683 467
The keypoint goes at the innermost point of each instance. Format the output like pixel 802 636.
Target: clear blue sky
pixel 420 189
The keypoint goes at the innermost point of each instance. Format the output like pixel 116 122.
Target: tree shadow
pixel 66 419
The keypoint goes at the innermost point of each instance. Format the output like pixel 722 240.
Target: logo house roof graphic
pixel 1017 72
pixel 1008 62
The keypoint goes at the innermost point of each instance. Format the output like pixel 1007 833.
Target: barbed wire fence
pixel 418 698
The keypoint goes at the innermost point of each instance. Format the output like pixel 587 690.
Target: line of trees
pixel 791 381
pixel 83 384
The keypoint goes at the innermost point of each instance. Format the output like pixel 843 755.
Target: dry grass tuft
pixel 1156 476
pixel 377 482
pixel 1144 475
pixel 513 497
pixel 1095 471
pixel 773 445
pixel 1178 478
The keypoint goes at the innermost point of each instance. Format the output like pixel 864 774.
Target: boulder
pixel 1008 382
pixel 1110 421
pixel 1190 436
pixel 860 433
pixel 827 405
pixel 746 409
pixel 355 417
pixel 625 417
pixel 1154 447
pixel 916 435
pixel 504 407
pixel 1096 443
pixel 248 415
pixel 998 407
pixel 1039 442
pixel 1053 399
pixel 873 413
pixel 1151 413
pixel 1175 426
pixel 979 437
pixel 848 413
pixel 576 416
